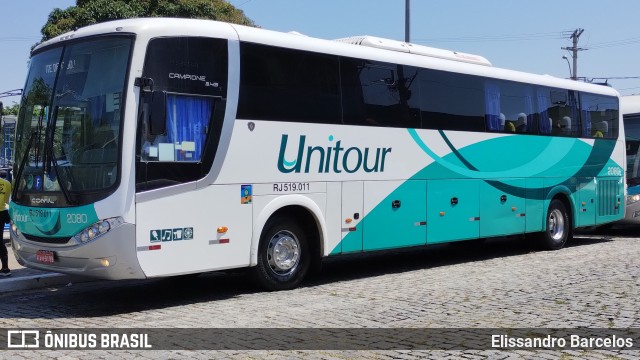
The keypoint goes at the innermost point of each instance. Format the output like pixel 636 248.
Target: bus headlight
pixel 14 229
pixel 633 198
pixel 96 230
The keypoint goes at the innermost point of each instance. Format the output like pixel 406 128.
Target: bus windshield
pixel 68 130
pixel 632 131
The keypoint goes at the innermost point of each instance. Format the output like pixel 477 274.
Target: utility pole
pixel 574 50
pixel 407 20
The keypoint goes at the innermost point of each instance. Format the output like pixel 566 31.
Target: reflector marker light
pixel 150 247
pixel 220 241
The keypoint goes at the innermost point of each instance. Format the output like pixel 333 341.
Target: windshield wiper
pixel 23 163
pixel 39 129
pixel 50 158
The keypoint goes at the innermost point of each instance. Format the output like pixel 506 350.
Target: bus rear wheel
pixel 558 227
pixel 283 255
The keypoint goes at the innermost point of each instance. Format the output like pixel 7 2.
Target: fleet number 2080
pixel 77 218
pixel 614 171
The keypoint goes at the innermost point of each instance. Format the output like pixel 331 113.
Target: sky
pixel 521 35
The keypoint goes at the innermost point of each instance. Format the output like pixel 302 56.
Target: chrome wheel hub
pixel 283 253
pixel 556 225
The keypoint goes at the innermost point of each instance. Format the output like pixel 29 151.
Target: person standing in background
pixel 5 194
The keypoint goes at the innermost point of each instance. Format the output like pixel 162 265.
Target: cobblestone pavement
pixel 593 282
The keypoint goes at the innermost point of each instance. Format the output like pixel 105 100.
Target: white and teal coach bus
pixel 158 147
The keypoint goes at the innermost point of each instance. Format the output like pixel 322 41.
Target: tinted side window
pixel 288 85
pixel 379 94
pixel 600 114
pixel 564 116
pixel 188 65
pixel 451 101
pixel 510 107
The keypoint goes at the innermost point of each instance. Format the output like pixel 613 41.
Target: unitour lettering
pixel 333 157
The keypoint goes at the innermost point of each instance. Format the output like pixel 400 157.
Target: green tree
pixel 11 109
pixel 87 12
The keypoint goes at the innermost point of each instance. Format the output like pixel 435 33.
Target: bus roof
pixel 394 45
pixel 630 104
pixel 421 56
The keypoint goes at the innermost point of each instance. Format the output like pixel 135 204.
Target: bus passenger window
pixel 601 114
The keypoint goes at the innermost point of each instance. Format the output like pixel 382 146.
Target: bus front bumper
pixel 632 214
pixel 111 256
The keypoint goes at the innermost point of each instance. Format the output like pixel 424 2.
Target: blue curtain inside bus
pixel 573 106
pixel 492 107
pixel 528 104
pixel 544 103
pixel 97 110
pixel 187 120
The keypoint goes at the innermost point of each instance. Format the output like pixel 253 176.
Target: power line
pixel 244 3
pixel 503 37
pixel 618 77
pixel 621 42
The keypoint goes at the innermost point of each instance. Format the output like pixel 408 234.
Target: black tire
pixel 287 239
pixel 558 227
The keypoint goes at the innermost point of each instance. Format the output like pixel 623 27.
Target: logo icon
pixel 37 183
pixel 167 234
pixel 154 235
pixel 23 338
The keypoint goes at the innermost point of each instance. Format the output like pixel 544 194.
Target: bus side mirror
pixel 158 117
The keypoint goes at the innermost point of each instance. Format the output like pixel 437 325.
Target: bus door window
pixel 187 121
pixel 182 102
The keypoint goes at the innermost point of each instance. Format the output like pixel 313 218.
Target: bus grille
pixel 48 240
pixel 608 198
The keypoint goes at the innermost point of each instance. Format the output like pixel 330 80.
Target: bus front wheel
pixel 558 226
pixel 283 255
